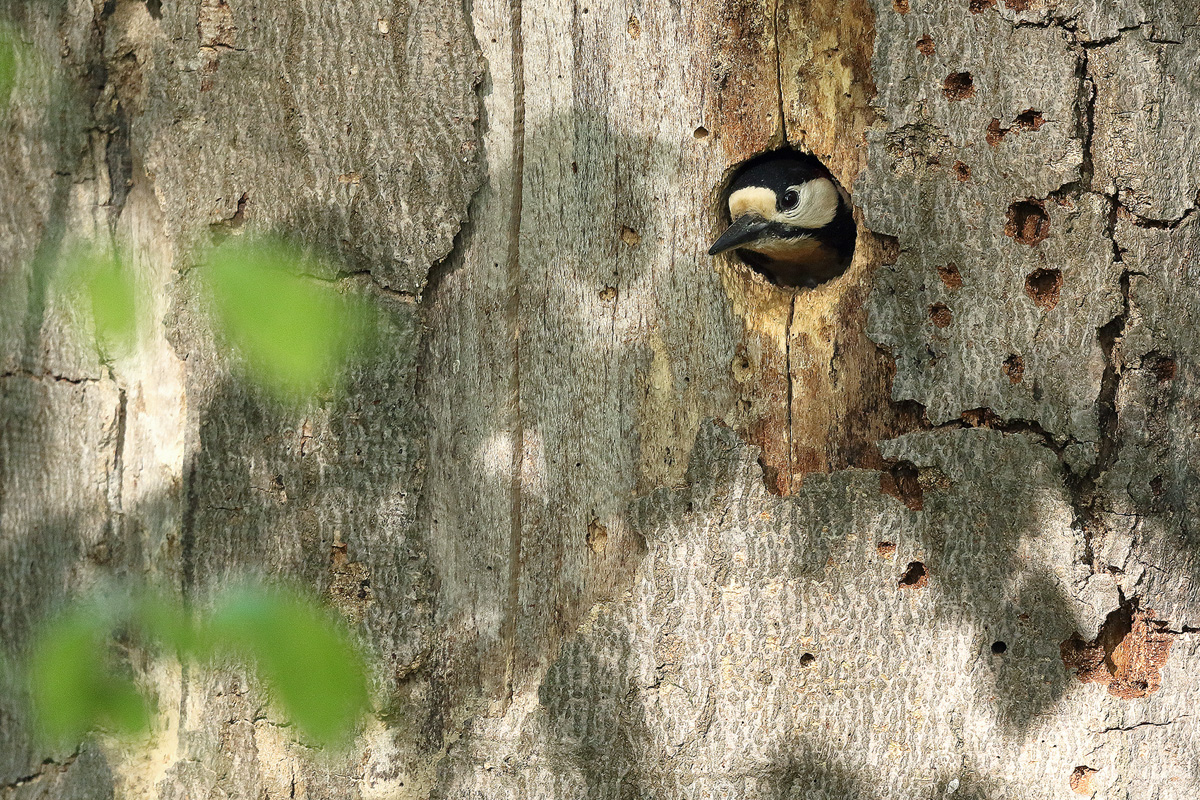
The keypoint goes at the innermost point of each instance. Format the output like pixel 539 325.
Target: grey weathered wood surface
pixel 574 582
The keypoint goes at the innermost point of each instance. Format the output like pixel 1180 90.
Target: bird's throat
pixel 800 262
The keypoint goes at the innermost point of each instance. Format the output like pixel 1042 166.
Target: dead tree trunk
pixel 617 519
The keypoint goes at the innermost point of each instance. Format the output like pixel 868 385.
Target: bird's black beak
pixel 744 229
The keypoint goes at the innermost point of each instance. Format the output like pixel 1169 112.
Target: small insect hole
pixel 1029 120
pixel 1027 222
pixel 914 577
pixel 959 86
pixel 1081 779
pixel 1014 368
pixel 903 482
pixel 1044 286
pixel 999 648
pixel 951 277
pixel 1164 367
pixel 939 315
pixel 634 27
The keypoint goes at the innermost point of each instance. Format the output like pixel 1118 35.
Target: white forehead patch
pixel 752 200
pixel 817 206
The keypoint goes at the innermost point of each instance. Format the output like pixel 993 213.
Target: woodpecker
pixel 791 223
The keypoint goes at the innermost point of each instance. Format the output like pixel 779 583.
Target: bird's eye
pixel 790 199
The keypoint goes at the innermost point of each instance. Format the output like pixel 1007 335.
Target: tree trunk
pixel 616 519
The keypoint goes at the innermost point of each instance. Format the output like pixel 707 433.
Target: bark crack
pixel 47 376
pixel 514 316
pixel 111 117
pixel 1083 488
pixel 114 493
pixel 985 417
pixel 787 356
pixel 1158 224
pixel 781 127
pixel 1147 724
pixel 781 135
pixel 364 278
pixel 187 536
pixel 45 768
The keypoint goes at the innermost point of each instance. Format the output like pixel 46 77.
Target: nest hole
pixel 789 256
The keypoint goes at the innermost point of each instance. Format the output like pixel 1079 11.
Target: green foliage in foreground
pixel 316 675
pixel 72 685
pixel 314 671
pixel 293 331
pixel 8 63
pixel 112 294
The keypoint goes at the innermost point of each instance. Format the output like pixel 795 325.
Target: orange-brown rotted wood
pixel 815 391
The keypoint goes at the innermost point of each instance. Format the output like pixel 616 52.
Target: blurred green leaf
pixel 302 652
pixel 72 685
pixel 111 290
pixel 164 621
pixel 8 63
pixel 293 331
pixel 107 293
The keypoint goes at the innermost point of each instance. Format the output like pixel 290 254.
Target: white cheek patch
pixel 817 207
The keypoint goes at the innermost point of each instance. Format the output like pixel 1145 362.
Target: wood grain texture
pixel 1152 513
pixel 180 124
pixel 348 125
pixel 54 167
pixel 1145 137
pixel 59 478
pixel 613 518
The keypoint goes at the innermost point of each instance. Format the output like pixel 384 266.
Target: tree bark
pixel 613 518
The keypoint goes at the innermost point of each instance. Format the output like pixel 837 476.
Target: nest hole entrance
pixel 785 216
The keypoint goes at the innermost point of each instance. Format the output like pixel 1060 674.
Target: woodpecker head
pixel 789 220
